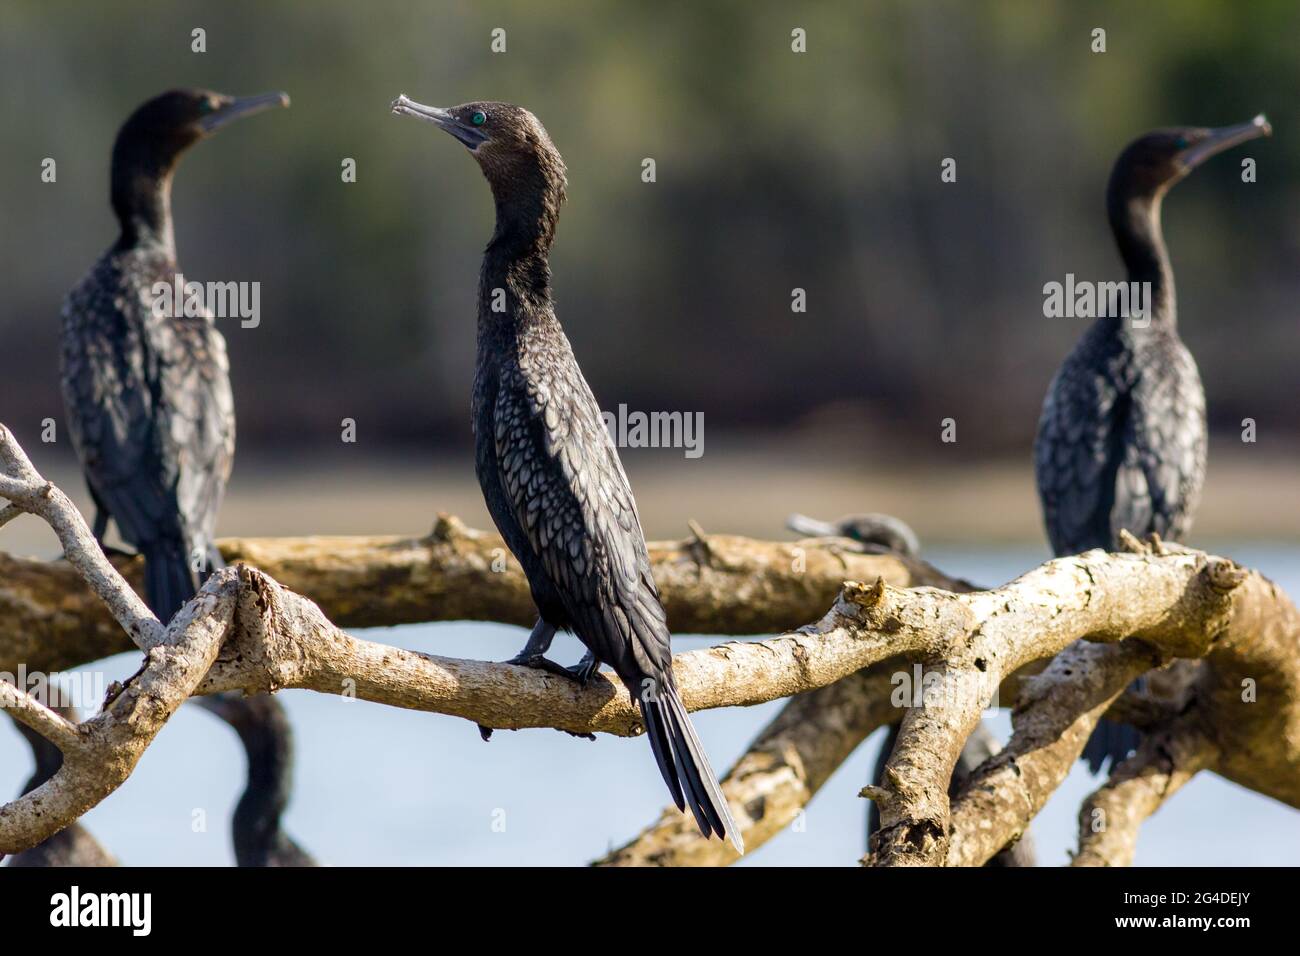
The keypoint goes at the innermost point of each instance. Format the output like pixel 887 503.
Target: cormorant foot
pixel 485 733
pixel 585 669
pixel 541 663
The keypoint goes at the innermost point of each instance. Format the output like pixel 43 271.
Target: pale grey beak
pixel 811 527
pixel 469 136
pixel 241 107
pixel 1225 137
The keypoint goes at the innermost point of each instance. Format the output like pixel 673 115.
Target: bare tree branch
pixel 109 745
pixel 29 492
pixel 1055 715
pixel 778 774
pixel 55 728
pixel 1109 819
pixel 246 631
pixel 723 584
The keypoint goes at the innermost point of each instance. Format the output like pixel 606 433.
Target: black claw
pixel 538 662
pixel 485 733
pixel 583 671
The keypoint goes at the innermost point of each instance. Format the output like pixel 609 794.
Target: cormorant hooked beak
pixel 811 527
pixel 469 136
pixel 242 106
pixel 1225 137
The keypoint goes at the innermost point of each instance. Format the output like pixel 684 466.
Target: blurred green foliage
pixel 775 170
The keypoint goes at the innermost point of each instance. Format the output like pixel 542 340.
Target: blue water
pixel 377 785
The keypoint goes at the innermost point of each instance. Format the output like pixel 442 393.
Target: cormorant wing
pixel 1161 484
pixel 150 409
pixel 569 494
pixel 1078 454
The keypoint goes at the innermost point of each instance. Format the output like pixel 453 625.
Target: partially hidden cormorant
pixel 264 730
pixel 885 534
pixel 1121 441
pixel 73 845
pixel 148 396
pixel 878 533
pixel 980 746
pixel 549 472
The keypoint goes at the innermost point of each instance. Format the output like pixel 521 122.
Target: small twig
pixel 54 727
pixel 1111 817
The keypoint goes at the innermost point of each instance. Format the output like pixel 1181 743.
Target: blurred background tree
pixel 775 170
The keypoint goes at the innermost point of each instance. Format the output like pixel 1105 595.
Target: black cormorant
pixel 264 729
pixel 550 474
pixel 73 845
pixel 1121 441
pixel 148 396
pixel 878 532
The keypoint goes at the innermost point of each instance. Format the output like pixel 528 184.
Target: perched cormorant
pixel 880 533
pixel 980 746
pixel 550 474
pixel 73 845
pixel 264 729
pixel 1121 441
pixel 148 396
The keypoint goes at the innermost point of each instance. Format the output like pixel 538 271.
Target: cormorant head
pixel 509 143
pixel 169 124
pixel 883 531
pixel 1152 163
pixel 152 140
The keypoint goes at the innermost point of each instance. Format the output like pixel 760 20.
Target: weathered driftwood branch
pixel 778 774
pixel 100 753
pixel 1193 605
pixel 785 766
pixel 718 584
pixel 275 638
pixel 74 845
pixel 246 631
pixel 1056 713
pixel 1109 819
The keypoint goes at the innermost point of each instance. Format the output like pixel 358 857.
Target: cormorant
pixel 880 533
pixel 264 729
pixel 148 397
pixel 980 746
pixel 73 845
pixel 549 472
pixel 1121 441
pixel 885 534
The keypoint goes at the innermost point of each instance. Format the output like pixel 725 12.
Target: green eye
pixel 479 118
pixel 1182 142
pixel 205 106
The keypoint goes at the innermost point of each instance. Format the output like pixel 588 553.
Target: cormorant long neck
pixel 47 756
pixel 257 815
pixel 142 191
pixel 516 259
pixel 1135 221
